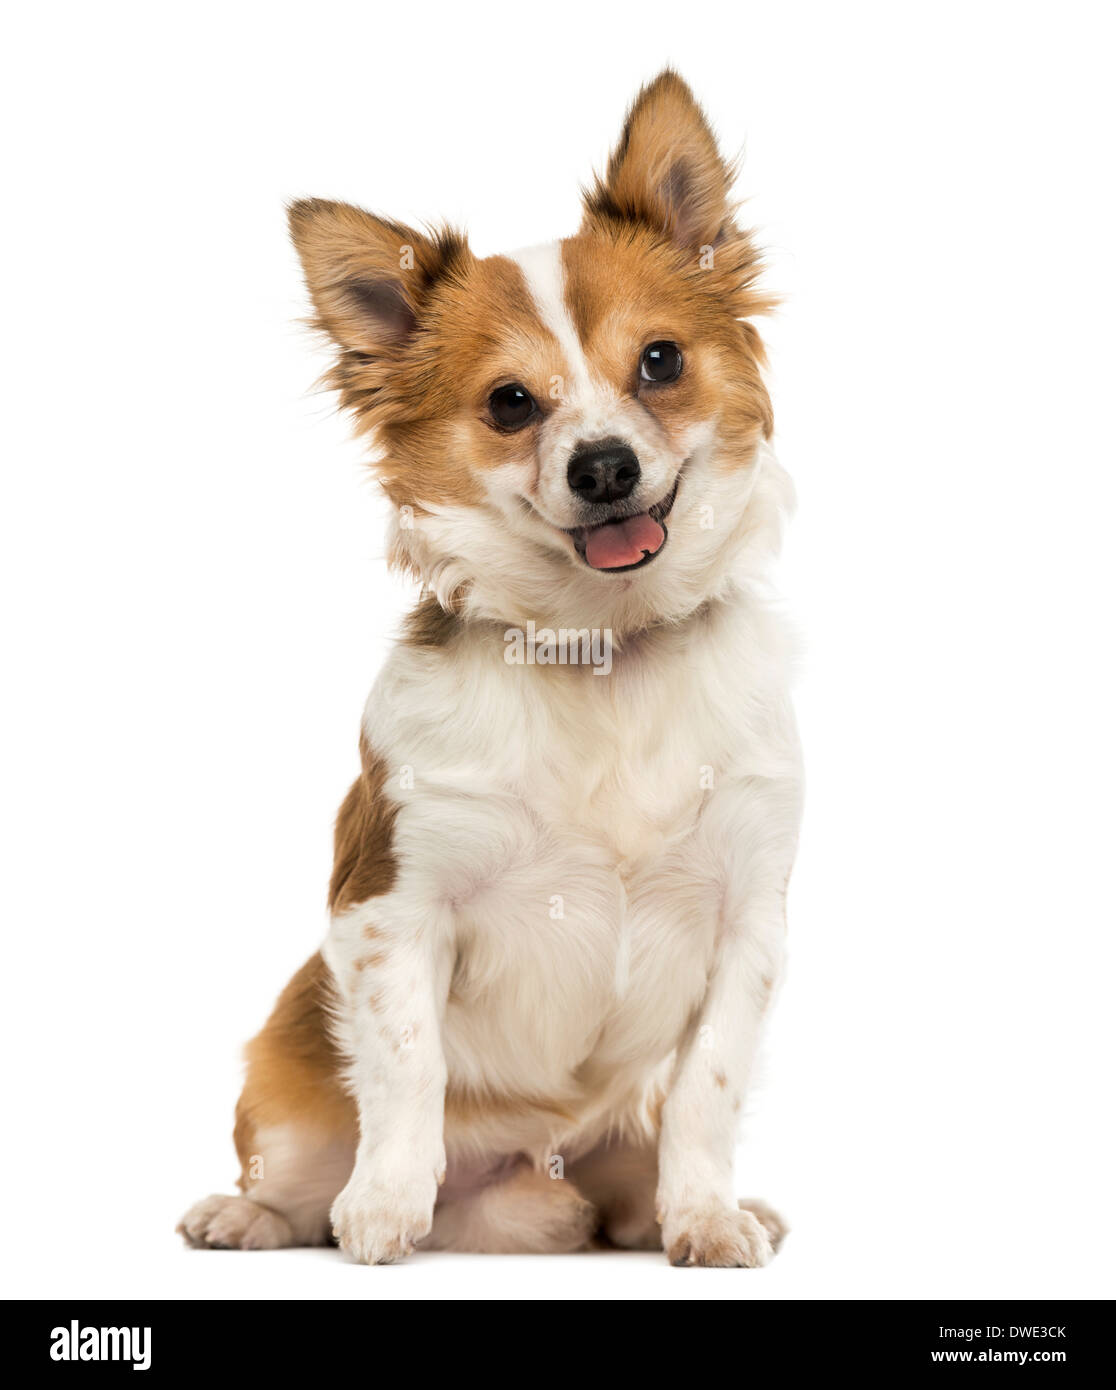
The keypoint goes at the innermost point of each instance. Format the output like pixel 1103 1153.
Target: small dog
pixel 557 908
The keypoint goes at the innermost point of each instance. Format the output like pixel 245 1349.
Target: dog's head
pixel 573 434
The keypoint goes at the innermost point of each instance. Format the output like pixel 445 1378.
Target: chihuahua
pixel 557 907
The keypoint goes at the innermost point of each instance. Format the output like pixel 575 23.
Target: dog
pixel 557 907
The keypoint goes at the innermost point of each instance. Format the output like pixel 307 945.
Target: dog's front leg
pixel 702 1223
pixel 392 981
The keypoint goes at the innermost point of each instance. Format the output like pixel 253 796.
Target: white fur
pixel 589 904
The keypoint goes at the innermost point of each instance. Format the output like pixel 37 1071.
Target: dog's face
pixel 568 434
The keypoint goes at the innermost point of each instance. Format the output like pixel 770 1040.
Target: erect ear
pixel 368 278
pixel 666 169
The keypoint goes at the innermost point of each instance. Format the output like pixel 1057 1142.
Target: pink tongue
pixel 620 543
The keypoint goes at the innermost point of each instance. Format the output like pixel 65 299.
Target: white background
pixel 195 601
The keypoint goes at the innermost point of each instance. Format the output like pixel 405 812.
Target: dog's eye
pixel 661 362
pixel 511 406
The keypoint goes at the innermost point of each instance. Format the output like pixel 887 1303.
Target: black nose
pixel 603 472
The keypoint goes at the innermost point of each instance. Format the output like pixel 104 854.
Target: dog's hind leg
pixel 620 1180
pixel 525 1212
pixel 295 1131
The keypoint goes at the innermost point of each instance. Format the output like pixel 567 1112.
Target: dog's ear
pixel 666 170
pixel 368 278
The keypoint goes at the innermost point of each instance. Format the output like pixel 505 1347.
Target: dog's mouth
pixel 626 542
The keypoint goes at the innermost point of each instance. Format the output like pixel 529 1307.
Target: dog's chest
pixel 585 939
pixel 561 826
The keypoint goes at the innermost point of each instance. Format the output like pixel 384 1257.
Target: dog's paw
pixel 377 1222
pixel 717 1237
pixel 233 1223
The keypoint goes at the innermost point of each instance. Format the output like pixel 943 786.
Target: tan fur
pixel 668 294
pixel 619 1180
pixel 363 864
pixel 666 170
pixel 429 625
pixel 293 1073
